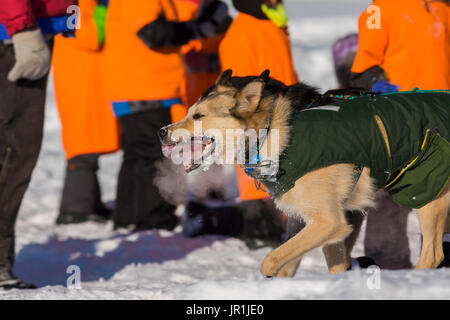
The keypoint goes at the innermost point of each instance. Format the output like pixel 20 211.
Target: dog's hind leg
pixel 447 225
pixel 432 218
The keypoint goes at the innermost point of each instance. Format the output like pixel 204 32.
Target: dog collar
pixel 256 167
pixel 254 150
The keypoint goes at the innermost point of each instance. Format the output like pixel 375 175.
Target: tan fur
pixel 447 226
pixel 280 117
pixel 289 269
pixel 432 219
pixel 321 197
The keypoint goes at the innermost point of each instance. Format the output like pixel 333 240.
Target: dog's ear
pixel 248 98
pixel 223 83
pixel 265 76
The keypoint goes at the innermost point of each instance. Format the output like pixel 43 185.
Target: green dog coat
pixel 402 137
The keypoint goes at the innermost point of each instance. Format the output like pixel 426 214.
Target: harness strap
pixel 259 185
pixel 357 172
pixel 338 95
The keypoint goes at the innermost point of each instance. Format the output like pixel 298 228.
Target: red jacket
pixel 18 14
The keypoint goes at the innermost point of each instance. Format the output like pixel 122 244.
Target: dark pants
pixel 138 201
pixel 21 124
pixel 386 233
pixel 81 193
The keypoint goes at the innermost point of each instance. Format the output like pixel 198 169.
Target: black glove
pixel 368 78
pixel 213 19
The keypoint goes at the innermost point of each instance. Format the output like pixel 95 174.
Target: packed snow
pixel 166 265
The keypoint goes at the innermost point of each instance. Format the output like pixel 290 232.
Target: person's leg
pixel 81 196
pixel 138 200
pixel 386 238
pixel 21 124
pixel 262 223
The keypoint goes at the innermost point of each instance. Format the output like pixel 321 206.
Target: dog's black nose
pixel 162 133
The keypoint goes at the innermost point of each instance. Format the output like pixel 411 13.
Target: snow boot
pixel 256 222
pixel 81 197
pixel 101 215
pixel 164 219
pixel 362 263
pixel 212 217
pixel 9 281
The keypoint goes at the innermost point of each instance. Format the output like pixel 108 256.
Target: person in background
pixel 344 52
pixel 258 40
pixel 253 43
pixel 25 54
pixel 410 48
pixel 212 211
pixel 89 128
pixel 403 44
pixel 145 73
pixel 202 68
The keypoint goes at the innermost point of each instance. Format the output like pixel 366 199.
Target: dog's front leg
pixel 289 270
pixel 319 231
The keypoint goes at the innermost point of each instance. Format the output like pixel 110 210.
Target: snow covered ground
pixel 165 265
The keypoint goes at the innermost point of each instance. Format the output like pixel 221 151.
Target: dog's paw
pixel 270 266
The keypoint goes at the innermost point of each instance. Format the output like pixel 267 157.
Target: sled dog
pixel 318 160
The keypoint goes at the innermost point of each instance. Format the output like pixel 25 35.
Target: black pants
pixel 81 193
pixel 138 200
pixel 386 238
pixel 21 124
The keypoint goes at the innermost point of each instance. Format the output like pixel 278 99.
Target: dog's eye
pixel 197 116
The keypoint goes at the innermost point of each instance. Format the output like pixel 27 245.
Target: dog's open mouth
pixel 191 153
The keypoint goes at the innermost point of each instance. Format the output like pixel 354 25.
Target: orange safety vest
pixel 88 123
pixel 251 46
pixel 136 72
pixel 412 44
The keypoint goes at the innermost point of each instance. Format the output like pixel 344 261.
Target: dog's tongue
pixel 192 149
pixel 197 147
pixel 167 150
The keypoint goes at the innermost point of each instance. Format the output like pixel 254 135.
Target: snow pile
pixel 165 265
